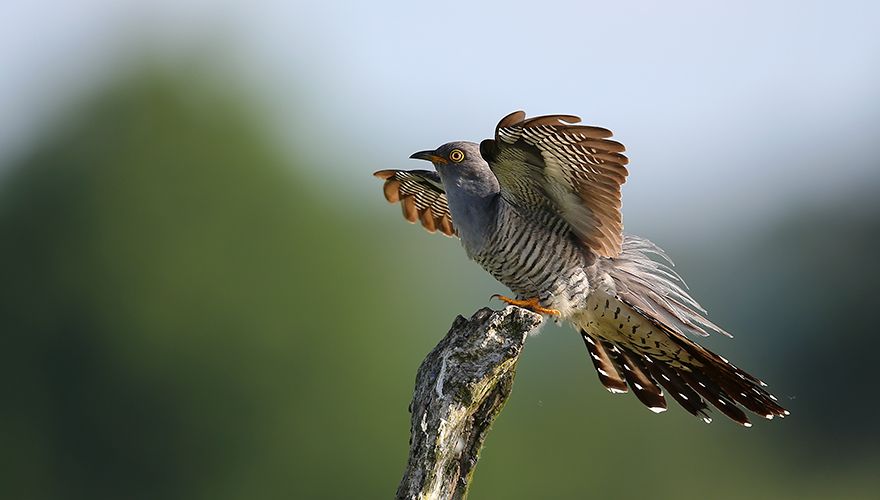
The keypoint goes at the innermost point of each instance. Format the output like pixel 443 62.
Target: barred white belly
pixel 536 257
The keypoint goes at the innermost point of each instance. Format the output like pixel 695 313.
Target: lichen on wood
pixel 461 387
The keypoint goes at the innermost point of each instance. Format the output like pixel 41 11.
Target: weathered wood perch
pixel 461 387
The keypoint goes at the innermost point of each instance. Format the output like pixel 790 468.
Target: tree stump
pixel 461 387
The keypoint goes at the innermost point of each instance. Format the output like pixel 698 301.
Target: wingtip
pixel 383 174
pixel 552 120
pixel 512 118
pixel 391 189
pixel 410 211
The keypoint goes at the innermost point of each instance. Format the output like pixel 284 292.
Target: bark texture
pixel 460 388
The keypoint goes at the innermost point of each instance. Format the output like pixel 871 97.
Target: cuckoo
pixel 538 207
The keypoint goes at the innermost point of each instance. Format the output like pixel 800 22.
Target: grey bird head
pixel 471 188
pixel 461 167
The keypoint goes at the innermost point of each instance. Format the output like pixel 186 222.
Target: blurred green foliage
pixel 190 313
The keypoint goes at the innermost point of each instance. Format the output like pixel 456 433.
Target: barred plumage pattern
pixel 421 198
pixel 535 255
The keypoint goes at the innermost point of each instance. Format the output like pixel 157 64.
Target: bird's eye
pixel 456 155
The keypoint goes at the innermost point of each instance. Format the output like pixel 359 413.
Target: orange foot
pixel 531 304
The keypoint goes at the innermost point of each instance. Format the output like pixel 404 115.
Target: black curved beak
pixel 430 156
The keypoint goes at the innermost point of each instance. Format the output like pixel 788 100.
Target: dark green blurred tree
pixel 171 291
pixel 819 280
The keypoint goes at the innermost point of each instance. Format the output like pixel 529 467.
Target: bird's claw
pixel 533 304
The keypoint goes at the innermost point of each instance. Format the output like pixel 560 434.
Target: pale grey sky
pixel 734 110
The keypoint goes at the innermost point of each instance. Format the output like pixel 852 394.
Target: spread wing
pixel 550 163
pixel 421 198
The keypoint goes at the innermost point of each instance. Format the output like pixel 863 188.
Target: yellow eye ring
pixel 456 155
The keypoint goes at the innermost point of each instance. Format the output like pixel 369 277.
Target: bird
pixel 539 208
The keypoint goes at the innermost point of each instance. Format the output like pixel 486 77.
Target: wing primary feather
pixel 550 120
pixel 511 119
pixel 408 205
pixel 427 218
pixel 391 189
pixel 421 197
pixel 550 163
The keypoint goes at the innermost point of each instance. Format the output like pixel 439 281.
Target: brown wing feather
pixel 421 198
pixel 551 163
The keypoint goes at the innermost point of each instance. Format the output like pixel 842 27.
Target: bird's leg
pixel 533 304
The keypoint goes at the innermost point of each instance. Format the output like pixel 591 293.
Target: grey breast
pixel 534 254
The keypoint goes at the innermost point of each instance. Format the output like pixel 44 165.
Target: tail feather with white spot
pixel 605 367
pixel 635 329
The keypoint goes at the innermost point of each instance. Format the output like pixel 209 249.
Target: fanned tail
pixel 636 335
